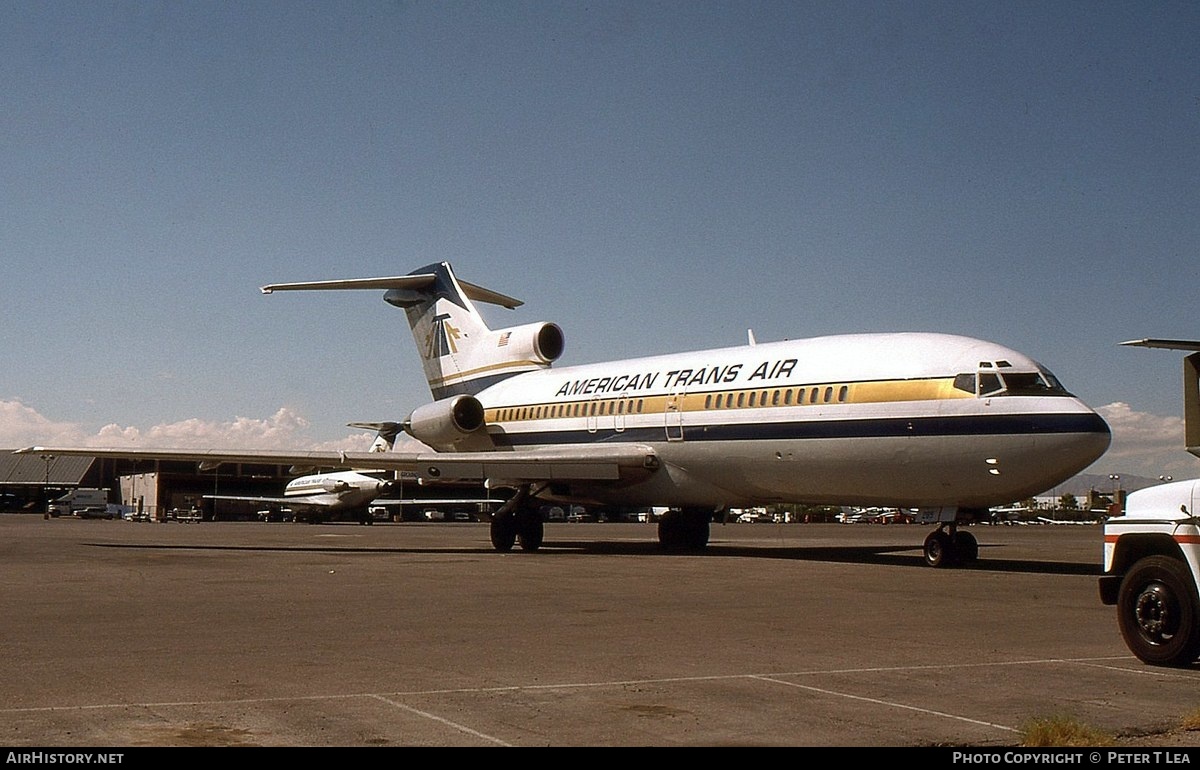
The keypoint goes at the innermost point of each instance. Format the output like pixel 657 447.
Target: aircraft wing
pixel 250 499
pixel 616 463
pixel 439 501
pixel 282 502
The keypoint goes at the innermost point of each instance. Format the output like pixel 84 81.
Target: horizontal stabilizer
pixel 425 281
pixel 1151 342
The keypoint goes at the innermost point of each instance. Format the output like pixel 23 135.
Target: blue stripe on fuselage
pixel 892 427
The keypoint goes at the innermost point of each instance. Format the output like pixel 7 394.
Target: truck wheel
pixel 1158 614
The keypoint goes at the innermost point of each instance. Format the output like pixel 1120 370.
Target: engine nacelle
pixel 446 422
pixel 334 485
pixel 542 342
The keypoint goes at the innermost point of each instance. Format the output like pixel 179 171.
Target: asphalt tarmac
pixel 124 634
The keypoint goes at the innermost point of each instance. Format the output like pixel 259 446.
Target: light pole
pixel 1116 480
pixel 46 484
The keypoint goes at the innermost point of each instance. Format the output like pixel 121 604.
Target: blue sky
pixel 652 176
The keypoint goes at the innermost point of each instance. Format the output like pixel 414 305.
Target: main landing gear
pixel 516 521
pixel 524 525
pixel 948 546
pixel 684 529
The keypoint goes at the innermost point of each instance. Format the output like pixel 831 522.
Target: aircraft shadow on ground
pixel 867 555
pixel 873 555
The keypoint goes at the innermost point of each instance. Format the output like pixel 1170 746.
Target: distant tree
pixel 1067 502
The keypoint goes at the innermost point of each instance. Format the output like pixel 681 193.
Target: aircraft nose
pixel 1095 436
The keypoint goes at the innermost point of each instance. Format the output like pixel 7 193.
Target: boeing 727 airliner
pixel 904 420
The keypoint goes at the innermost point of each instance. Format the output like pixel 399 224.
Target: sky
pixel 651 176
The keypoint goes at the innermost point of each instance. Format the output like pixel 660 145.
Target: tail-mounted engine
pixel 541 342
pixel 445 424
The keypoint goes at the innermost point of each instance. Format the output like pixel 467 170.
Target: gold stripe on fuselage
pixel 742 398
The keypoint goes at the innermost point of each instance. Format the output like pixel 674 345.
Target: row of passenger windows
pixel 578 409
pixel 741 399
pixel 784 397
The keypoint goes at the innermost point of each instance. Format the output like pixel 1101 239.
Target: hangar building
pixel 156 488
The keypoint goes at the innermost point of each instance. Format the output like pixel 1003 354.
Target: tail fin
pixel 459 353
pixel 386 433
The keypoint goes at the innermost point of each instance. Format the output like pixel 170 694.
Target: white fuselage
pixel 906 419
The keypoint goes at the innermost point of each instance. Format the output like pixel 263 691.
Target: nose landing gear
pixel 947 546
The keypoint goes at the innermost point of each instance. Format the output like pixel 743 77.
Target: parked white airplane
pixel 904 420
pixel 324 496
pixel 317 497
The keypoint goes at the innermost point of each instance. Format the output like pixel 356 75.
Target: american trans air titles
pixel 675 378
pixel 945 423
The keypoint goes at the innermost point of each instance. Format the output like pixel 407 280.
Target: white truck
pixel 1152 573
pixel 1152 551
pixel 83 502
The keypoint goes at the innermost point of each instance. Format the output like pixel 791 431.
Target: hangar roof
pixel 32 469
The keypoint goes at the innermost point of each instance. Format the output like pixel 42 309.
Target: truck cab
pixel 1152 573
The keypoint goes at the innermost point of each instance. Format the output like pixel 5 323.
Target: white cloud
pixel 21 426
pixel 1146 444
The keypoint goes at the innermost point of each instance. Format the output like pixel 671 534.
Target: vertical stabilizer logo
pixel 442 339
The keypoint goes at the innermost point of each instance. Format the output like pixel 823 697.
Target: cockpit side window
pixel 965 382
pixel 990 384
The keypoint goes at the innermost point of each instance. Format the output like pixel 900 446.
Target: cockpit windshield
pixel 1031 384
pixel 991 382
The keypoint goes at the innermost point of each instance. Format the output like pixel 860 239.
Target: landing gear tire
pixel 1158 614
pixel 687 529
pixel 670 526
pixel 530 529
pixel 504 531
pixel 695 530
pixel 939 549
pixel 966 546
